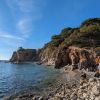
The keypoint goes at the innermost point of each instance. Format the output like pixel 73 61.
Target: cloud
pixel 27 12
pixel 24 26
pixel 28 6
pixel 6 35
pixel 25 6
pixel 11 40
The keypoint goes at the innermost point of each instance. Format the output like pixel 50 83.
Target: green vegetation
pixel 56 37
pixel 65 32
pixel 87 35
pixel 91 21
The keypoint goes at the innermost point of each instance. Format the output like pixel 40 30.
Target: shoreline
pixel 70 81
pixel 37 63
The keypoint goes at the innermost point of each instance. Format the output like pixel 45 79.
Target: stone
pixel 92 97
pixel 84 95
pixel 40 98
pixel 34 98
pixel 95 91
pixel 97 98
pixel 24 55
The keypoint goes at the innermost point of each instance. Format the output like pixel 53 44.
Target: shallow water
pixel 18 77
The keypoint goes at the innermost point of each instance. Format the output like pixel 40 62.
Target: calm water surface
pixel 17 77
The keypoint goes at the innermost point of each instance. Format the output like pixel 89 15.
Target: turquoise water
pixel 17 77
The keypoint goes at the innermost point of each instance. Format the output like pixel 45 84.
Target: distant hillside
pixel 75 46
pixel 79 47
pixel 87 35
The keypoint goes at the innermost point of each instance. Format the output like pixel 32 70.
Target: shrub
pixel 65 32
pixel 55 37
pixel 91 21
pixel 82 36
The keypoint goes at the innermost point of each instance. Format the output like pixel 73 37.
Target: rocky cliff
pixel 75 56
pixel 79 47
pixel 24 55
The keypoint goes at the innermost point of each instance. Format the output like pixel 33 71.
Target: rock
pixel 55 98
pixel 77 57
pixel 40 98
pixel 92 80
pixel 73 96
pixel 95 90
pixel 17 99
pixel 83 75
pixel 97 74
pixel 24 55
pixel 97 98
pixel 92 97
pixel 34 98
pixel 73 46
pixel 84 95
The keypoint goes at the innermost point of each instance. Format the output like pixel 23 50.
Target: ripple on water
pixel 18 77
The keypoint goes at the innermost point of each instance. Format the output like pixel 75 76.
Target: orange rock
pixel 97 59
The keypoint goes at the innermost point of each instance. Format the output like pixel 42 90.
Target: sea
pixel 19 77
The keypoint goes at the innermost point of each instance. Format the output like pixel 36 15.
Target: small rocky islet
pixel 76 52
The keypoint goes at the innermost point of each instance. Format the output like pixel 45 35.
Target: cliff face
pixel 54 56
pixel 78 57
pixel 79 47
pixel 24 55
pixel 84 58
pixel 48 56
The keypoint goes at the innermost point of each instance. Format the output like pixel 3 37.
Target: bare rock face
pixel 62 58
pixel 79 47
pixel 96 54
pixel 78 57
pixel 48 56
pixel 57 57
pixel 83 58
pixel 75 46
pixel 24 55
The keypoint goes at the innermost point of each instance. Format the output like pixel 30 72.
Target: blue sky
pixel 31 23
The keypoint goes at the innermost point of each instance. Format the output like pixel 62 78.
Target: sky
pixel 31 23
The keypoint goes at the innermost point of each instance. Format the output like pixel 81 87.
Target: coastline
pixel 37 63
pixel 73 50
pixel 64 88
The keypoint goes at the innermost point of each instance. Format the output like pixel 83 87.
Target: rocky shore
pixel 86 90
pixel 73 50
pixel 72 86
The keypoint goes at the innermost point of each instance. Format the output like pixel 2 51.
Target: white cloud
pixel 24 26
pixel 11 40
pixel 26 6
pixel 28 12
pixel 6 35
